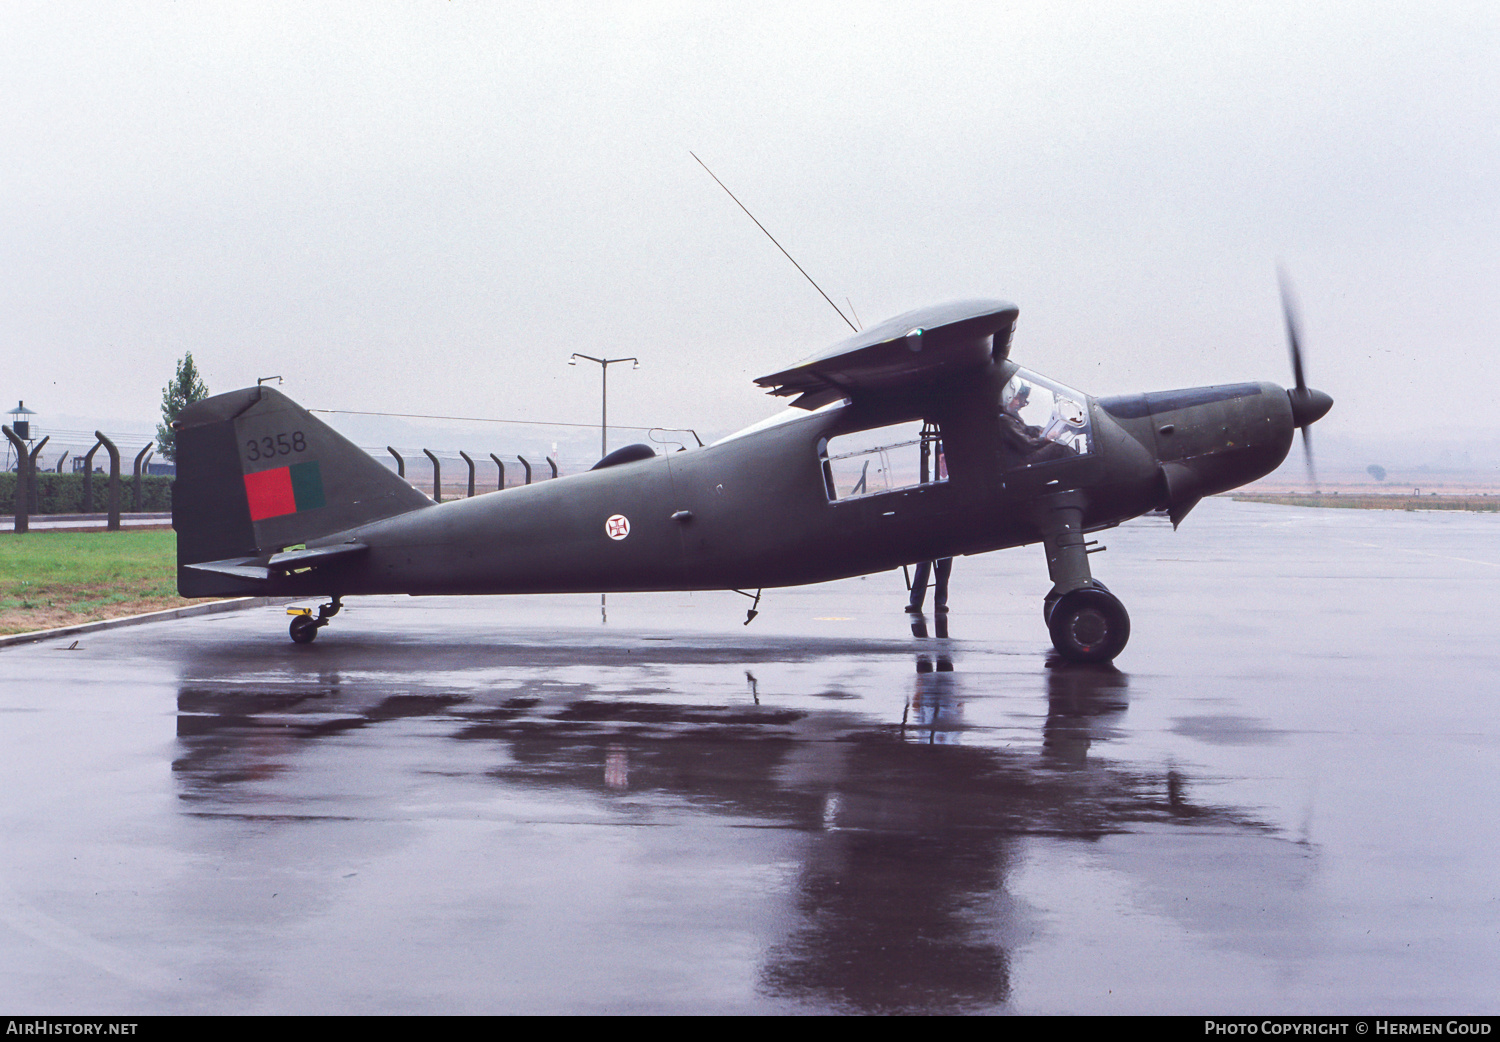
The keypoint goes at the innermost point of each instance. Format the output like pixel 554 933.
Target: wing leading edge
pixel 917 346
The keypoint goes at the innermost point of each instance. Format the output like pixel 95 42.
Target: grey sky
pixel 426 207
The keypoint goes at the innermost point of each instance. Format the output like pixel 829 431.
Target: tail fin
pixel 256 473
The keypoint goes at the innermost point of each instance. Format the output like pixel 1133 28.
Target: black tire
pixel 304 629
pixel 1050 601
pixel 1089 625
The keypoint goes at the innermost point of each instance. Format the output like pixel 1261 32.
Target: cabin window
pixel 883 459
pixel 1042 421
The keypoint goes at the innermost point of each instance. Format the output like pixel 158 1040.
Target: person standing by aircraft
pixel 941 568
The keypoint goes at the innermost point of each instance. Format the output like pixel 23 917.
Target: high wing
pixel 915 347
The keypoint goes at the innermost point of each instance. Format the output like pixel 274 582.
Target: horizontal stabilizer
pixel 239 567
pixel 291 559
pixel 916 347
pixel 263 569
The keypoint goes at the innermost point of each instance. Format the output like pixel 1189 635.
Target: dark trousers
pixel 943 568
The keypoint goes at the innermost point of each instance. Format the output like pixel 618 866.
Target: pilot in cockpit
pixel 1032 444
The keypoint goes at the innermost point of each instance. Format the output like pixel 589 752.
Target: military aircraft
pixel 914 440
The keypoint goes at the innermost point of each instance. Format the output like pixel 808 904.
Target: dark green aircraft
pixel 916 440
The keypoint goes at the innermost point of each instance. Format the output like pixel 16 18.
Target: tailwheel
pixel 304 629
pixel 1089 624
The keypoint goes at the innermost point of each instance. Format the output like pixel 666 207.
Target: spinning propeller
pixel 1308 405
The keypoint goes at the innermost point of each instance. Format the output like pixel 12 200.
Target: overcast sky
pixel 427 206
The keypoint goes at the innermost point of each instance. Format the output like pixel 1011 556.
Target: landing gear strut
pixel 304 628
pixel 1086 621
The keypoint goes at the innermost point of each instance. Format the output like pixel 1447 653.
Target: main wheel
pixel 304 629
pixel 1089 625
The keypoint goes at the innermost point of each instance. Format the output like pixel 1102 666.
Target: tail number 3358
pixel 273 445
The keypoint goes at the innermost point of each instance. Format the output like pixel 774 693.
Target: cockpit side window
pixel 1042 421
pixel 882 459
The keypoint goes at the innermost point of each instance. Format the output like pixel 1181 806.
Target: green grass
pixel 50 579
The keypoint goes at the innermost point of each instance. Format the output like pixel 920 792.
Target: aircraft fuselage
pixel 754 510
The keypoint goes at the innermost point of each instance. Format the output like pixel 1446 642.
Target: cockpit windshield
pixel 1042 421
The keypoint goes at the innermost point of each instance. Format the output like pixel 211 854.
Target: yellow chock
pixel 299 611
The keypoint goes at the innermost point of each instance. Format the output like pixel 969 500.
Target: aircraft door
pixel 888 486
pixel 883 459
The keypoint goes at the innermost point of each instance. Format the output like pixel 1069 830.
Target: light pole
pixel 604 364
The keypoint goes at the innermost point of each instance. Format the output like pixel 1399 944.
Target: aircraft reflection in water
pixel 907 835
pixel 916 440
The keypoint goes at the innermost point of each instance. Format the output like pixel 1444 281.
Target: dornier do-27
pixel 915 440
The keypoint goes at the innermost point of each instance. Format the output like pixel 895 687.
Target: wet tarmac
pixel 1284 799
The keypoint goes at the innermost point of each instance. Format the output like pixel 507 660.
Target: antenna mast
pixel 780 247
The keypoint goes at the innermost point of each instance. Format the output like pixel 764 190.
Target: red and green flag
pixel 285 490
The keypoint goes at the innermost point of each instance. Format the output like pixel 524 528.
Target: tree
pixel 1376 471
pixel 185 389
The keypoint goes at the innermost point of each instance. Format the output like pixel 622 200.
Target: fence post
pixel 437 477
pixel 88 479
pixel 500 487
pixel 527 465
pixel 36 499
pixel 470 462
pixel 61 459
pixel 553 464
pixel 400 463
pixel 23 519
pixel 114 480
pixel 140 462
